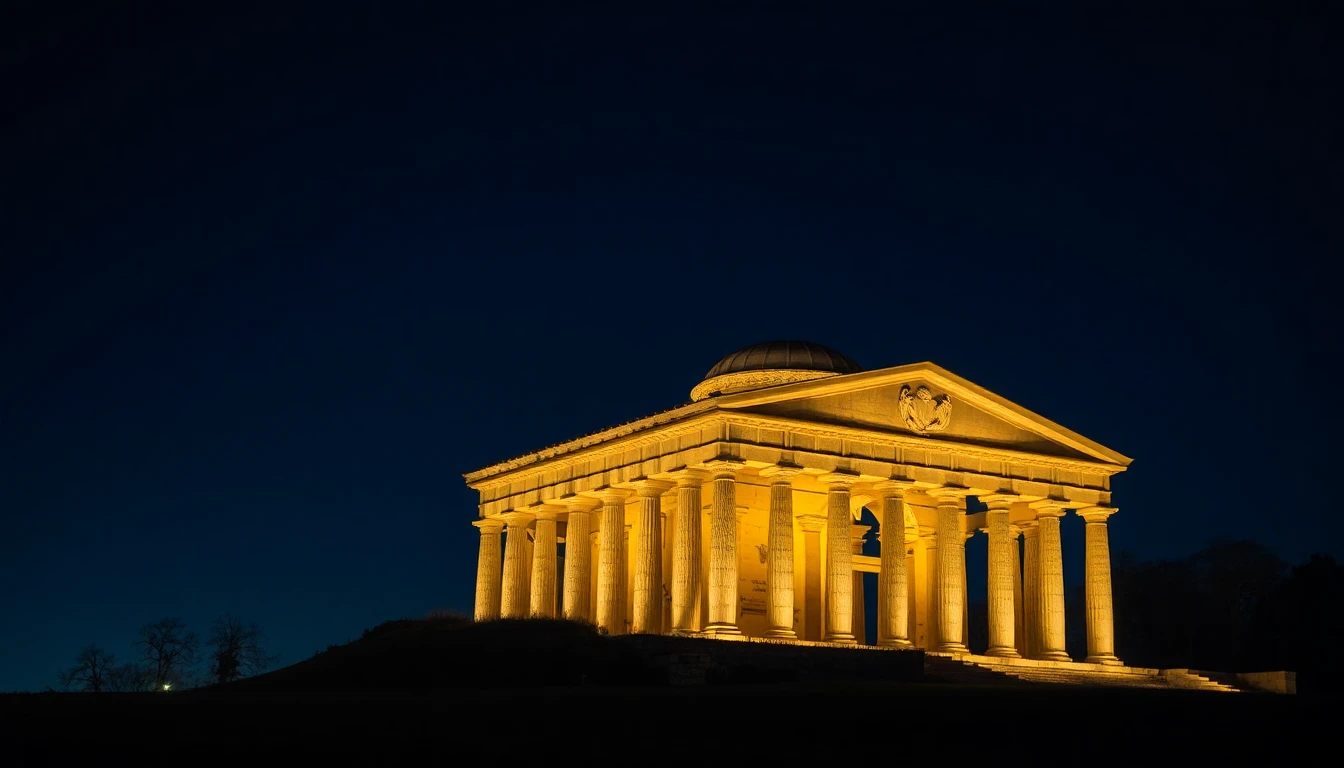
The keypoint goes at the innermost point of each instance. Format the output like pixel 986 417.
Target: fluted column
pixel 931 589
pixel 686 581
pixel 1019 622
pixel 515 587
pixel 894 579
pixel 1002 569
pixel 543 565
pixel 1031 586
pixel 839 559
pixel 487 570
pixel 578 560
pixel 779 594
pixel 723 549
pixel 1100 620
pixel 611 563
pixel 951 569
pixel 1050 586
pixel 648 587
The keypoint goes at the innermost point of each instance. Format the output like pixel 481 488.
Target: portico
pixel 732 516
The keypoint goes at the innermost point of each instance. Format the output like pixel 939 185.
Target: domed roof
pixel 784 355
pixel 770 364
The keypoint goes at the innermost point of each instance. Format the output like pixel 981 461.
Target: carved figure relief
pixel 764 551
pixel 922 411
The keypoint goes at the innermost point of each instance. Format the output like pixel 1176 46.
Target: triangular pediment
pixel 947 408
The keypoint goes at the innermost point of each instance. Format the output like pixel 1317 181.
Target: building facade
pixel 735 515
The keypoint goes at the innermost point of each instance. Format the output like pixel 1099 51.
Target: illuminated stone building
pixel 735 515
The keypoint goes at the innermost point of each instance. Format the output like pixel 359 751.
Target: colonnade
pixel 1025 589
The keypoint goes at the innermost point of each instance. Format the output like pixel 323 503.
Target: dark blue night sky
pixel 273 279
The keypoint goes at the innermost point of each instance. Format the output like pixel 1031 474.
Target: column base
pixel 844 638
pixel 1108 659
pixel 952 648
pixel 782 634
pixel 1055 656
pixel 899 642
pixel 1004 652
pixel 719 629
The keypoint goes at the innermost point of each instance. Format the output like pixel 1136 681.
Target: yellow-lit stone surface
pixel 732 515
pixel 487 570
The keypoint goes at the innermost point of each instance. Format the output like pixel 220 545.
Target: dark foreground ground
pixel 661 725
pixel 545 692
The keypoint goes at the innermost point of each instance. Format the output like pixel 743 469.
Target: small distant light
pixel 166 686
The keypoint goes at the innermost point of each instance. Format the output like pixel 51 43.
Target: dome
pixel 770 364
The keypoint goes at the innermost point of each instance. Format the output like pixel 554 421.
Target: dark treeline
pixel 169 658
pixel 1232 606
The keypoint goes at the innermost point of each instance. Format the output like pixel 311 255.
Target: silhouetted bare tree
pixel 129 678
pixel 236 650
pixel 170 650
pixel 93 666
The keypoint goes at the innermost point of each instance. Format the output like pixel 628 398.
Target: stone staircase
pixel 976 670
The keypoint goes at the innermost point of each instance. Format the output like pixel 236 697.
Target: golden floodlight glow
pixel 730 515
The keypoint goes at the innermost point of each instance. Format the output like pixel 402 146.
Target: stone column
pixel 1031 587
pixel 1002 569
pixel 1100 620
pixel 686 583
pixel 931 591
pixel 839 559
pixel 779 594
pixel 951 569
pixel 723 549
pixel 648 588
pixel 578 562
pixel 515 587
pixel 1050 586
pixel 812 526
pixel 543 565
pixel 859 534
pixel 1019 622
pixel 894 579
pixel 487 570
pixel 611 563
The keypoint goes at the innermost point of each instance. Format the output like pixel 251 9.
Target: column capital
pixel 1051 507
pixel 858 532
pixel 949 495
pixel 1029 528
pixel 689 478
pixel 1095 514
pixel 517 519
pixel 545 513
pixel 725 467
pixel 782 473
pixel 1014 530
pixel 489 525
pixel 894 487
pixel 811 523
pixel 838 479
pixel 575 503
pixel 610 494
pixel 645 486
pixel 999 502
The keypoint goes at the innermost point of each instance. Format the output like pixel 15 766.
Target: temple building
pixel 736 515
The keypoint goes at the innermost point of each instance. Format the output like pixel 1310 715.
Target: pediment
pixel 922 400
